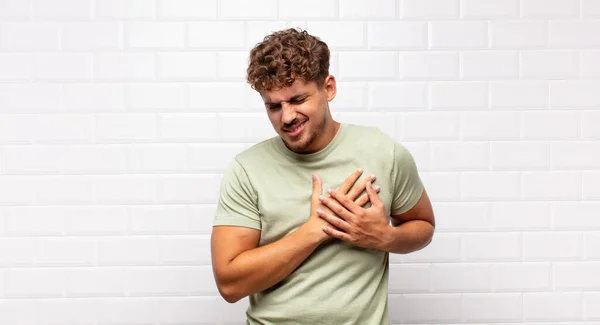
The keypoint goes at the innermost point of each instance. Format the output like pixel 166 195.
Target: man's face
pixel 299 113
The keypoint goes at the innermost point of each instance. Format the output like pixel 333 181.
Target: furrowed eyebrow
pixel 293 98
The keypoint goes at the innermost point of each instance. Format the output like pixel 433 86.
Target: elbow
pixel 229 293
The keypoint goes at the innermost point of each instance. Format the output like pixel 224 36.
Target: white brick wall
pixel 118 117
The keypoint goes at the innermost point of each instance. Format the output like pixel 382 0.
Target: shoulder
pixel 256 153
pixel 370 136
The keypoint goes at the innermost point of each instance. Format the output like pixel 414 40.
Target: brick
pixel 93 97
pixel 126 127
pixel 425 308
pixel 230 66
pixel 129 66
pixel 458 34
pixel 139 250
pixel 61 9
pixel 519 94
pixel 210 97
pixel 240 9
pixel 97 158
pixel 186 9
pixel 574 34
pixel 216 35
pixel 384 121
pixel 591 301
pixel 34 282
pixel 306 10
pixel 64 67
pixel 518 277
pixel 590 64
pixel 158 219
pixel 19 311
pixel 519 34
pixel 429 65
pixel 444 186
pixel 493 125
pixel 17 190
pixel 490 9
pixel 29 97
pixel 520 216
pixel 591 185
pixel 255 31
pixel 429 9
pixel 156 96
pixel 406 35
pixel 127 189
pixel 444 247
pixel 21 36
pixel 580 155
pixel 14 10
pixel 574 94
pixel 72 128
pixel 352 96
pixel 201 218
pixel 149 35
pixel 409 278
pixel 96 220
pixel 95 281
pixel 575 216
pixel 147 158
pixel 552 246
pixel 124 9
pixel 395 96
pixel 548 125
pixel 460 156
pixel 492 247
pixel 592 245
pixel 160 280
pixel 17 252
pixel 554 185
pixel 30 160
pixel 171 187
pixel 429 125
pixel 186 66
pixel 67 252
pixel 361 9
pixel 553 9
pixel 460 278
pixel 339 34
pixel 549 64
pixel 16 67
pixel 368 65
pixel 459 95
pixel 576 275
pixel 489 65
pixel 188 127
pixel 589 125
pixel 184 250
pixel 590 8
pixel 462 217
pixel 90 36
pixel 516 155
pixel 496 307
pixel 66 189
pixel 37 221
pixel 543 306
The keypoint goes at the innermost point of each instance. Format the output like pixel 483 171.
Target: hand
pixel 366 228
pixel 315 205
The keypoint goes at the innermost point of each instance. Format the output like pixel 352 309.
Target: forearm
pixel 261 268
pixel 408 237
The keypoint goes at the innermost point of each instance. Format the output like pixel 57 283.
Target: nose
pixel 288 113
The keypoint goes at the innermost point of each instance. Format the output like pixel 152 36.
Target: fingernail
pixel 360 170
pixel 329 191
pixel 314 176
pixel 319 211
pixel 373 177
pixel 320 197
pixel 377 188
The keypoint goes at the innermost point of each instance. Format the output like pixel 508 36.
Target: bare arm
pixel 413 229
pixel 242 268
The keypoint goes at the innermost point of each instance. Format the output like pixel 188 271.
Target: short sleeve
pixel 238 201
pixel 408 186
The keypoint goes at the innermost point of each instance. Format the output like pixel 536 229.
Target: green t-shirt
pixel 268 187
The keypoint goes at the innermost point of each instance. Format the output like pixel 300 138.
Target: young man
pixel 310 257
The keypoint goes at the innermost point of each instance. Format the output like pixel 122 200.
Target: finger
pixel 373 197
pixel 337 208
pixel 350 180
pixel 347 204
pixel 358 189
pixel 363 199
pixel 334 220
pixel 317 187
pixel 337 234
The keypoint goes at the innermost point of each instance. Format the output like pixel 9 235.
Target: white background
pixel 117 118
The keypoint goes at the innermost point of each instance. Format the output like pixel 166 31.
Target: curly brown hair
pixel 285 56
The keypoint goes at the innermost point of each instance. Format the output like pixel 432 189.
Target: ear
pixel 330 87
